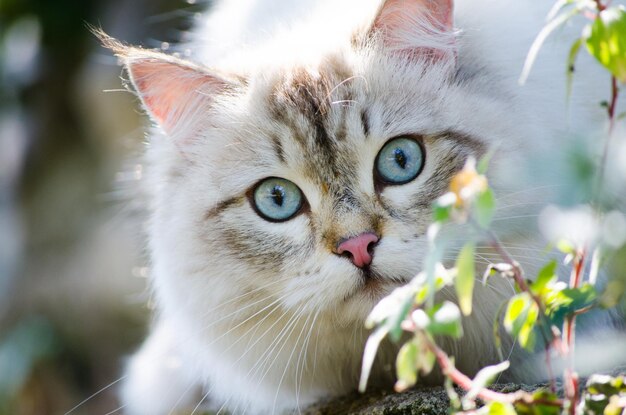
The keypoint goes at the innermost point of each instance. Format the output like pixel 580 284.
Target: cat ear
pixel 417 27
pixel 172 90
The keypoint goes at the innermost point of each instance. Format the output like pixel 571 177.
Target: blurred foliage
pixel 26 346
pixel 72 301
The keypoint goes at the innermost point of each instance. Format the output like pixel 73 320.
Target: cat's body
pixel 261 316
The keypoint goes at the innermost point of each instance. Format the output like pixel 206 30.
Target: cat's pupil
pixel 278 194
pixel 400 157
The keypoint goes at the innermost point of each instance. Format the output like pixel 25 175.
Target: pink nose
pixel 358 248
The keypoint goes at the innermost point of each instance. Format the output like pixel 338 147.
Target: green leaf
pixel 581 297
pixel 441 213
pixel 565 246
pixel 606 385
pixel 545 277
pixel 616 406
pixel 392 310
pixel 535 408
pixel 484 208
pixel 464 282
pixel 371 347
pixel 442 207
pixel 483 163
pixel 497 408
pixel 605 40
pixel 445 319
pixel 413 358
pixel 514 315
pixel 484 378
pixel 561 303
pixel 600 390
pixel 541 38
pixel 455 401
pixel 520 318
pixel 571 61
pixel 395 321
pixel 526 336
pixel 427 362
pixel 407 364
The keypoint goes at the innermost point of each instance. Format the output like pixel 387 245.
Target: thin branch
pixel 612 106
pixel 570 376
pixel 485 394
pixel 550 370
pixel 520 280
pixel 599 5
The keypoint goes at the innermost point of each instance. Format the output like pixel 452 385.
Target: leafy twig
pixel 518 275
pixel 488 395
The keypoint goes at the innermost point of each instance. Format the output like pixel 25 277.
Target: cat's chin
pixel 372 287
pixel 354 308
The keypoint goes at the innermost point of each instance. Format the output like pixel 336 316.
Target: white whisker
pixel 289 327
pixel 303 353
pixel 95 394
pixel 179 400
pixel 282 377
pixel 116 410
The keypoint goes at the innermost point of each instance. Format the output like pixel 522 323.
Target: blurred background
pixel 73 298
pixel 72 271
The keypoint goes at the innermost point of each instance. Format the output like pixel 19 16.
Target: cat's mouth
pixel 371 285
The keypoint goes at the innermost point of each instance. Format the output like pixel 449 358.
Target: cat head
pixel 309 185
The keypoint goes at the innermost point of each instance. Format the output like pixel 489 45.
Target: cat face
pixel 315 138
pixel 307 186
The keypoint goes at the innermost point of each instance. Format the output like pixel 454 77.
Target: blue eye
pixel 400 161
pixel 277 199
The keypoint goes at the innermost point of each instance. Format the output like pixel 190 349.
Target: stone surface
pixel 422 401
pixel 428 401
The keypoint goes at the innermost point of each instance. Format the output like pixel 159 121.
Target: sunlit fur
pixel 262 317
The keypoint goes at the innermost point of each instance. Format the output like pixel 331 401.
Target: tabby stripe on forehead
pixel 222 206
pixel 316 111
pixel 365 120
pixel 278 148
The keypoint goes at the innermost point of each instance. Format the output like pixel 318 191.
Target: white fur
pixel 258 340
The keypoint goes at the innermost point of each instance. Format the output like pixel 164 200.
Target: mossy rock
pixel 420 401
pixel 427 401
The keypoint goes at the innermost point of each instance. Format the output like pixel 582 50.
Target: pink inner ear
pixel 171 91
pixel 425 25
pixel 163 106
pixel 442 11
pixel 395 14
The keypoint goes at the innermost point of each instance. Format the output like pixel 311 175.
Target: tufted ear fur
pixel 417 27
pixel 174 92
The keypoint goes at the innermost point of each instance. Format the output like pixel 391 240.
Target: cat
pixel 292 167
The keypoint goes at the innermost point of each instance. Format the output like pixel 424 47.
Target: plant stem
pixel 518 276
pixel 612 104
pixel 571 390
pixel 570 376
pixel 550 370
pixel 600 5
pixel 449 370
pixel 607 144
pixel 570 322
